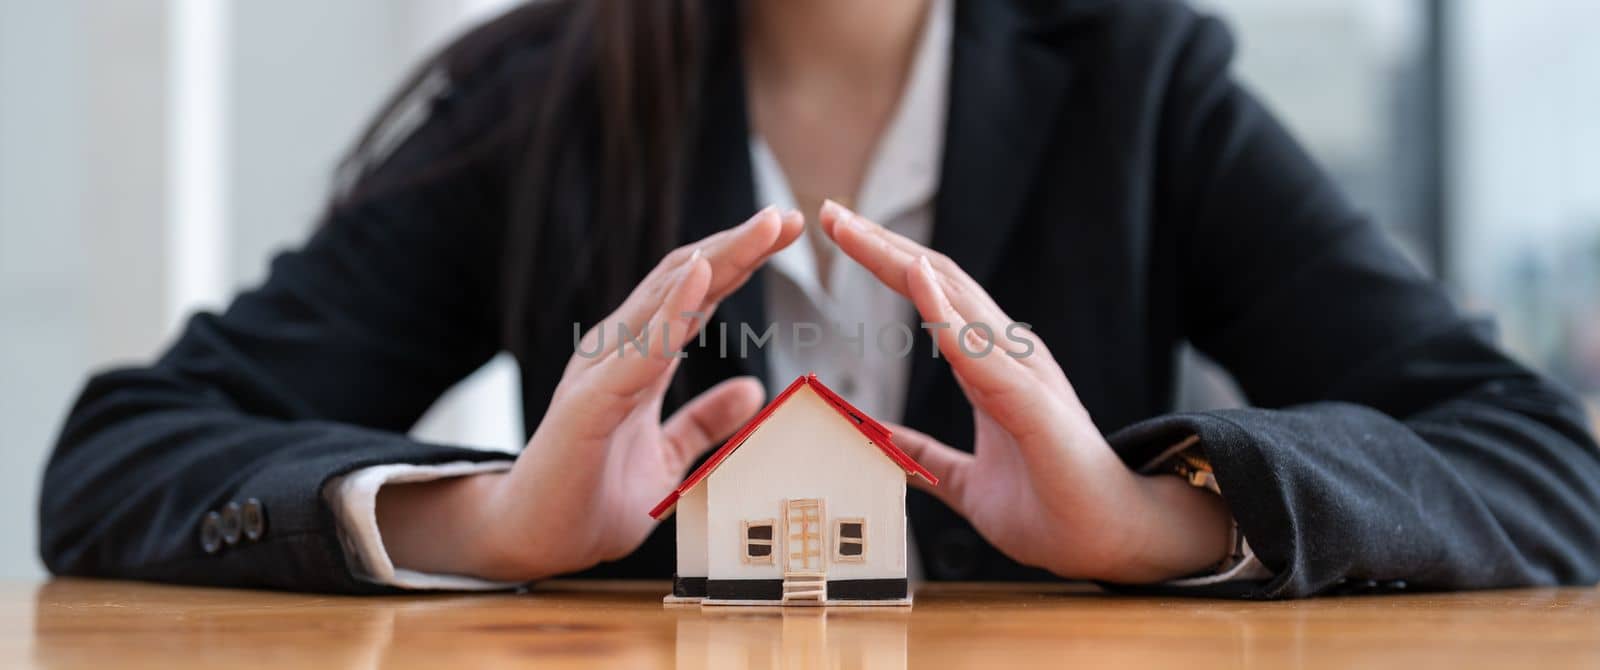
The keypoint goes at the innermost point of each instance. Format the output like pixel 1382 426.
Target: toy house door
pixel 803 534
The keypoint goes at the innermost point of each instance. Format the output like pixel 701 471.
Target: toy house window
pixel 758 541
pixel 850 540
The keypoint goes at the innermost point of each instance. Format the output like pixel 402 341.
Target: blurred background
pixel 155 153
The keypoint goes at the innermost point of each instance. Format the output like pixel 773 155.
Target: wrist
pixel 439 526
pixel 1177 529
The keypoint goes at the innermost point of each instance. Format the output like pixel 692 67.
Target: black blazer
pixel 1104 177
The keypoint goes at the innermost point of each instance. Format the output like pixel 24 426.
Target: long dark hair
pixel 637 64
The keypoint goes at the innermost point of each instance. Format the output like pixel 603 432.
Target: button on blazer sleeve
pixel 1392 443
pixel 317 372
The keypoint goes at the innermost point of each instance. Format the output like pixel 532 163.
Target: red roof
pixel 876 432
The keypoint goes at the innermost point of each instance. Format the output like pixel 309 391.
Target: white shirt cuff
pixel 354 501
pixel 1248 568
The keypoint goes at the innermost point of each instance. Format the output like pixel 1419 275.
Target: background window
pixel 1467 129
pixel 850 540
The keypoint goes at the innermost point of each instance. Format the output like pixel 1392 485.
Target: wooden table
pixel 78 623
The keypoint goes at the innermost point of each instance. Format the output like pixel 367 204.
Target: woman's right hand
pixel 578 494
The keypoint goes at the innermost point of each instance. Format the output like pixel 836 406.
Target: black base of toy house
pixel 772 589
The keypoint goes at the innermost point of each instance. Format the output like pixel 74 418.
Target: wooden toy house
pixel 804 505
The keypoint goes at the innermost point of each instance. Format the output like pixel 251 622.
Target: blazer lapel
pixel 720 190
pixel 1006 85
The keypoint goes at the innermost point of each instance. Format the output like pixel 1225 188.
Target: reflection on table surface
pixel 793 637
pixel 83 623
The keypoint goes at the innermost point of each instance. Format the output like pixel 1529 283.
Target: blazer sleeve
pixel 1390 444
pixel 314 374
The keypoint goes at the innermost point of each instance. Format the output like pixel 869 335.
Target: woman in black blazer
pixel 1102 179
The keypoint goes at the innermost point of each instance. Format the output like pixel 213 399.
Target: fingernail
pixel 843 217
pixel 835 209
pixel 688 266
pixel 769 209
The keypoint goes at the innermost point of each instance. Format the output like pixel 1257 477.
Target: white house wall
pixel 806 450
pixel 691 515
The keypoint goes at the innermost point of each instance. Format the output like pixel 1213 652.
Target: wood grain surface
pixel 105 624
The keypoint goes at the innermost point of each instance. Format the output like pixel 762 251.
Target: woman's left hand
pixel 1042 484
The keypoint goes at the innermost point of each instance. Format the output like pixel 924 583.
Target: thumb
pixel 948 463
pixel 711 417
